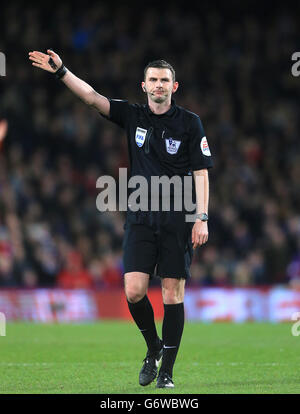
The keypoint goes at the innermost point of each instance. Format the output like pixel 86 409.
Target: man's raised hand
pixel 50 61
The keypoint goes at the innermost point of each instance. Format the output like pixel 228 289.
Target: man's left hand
pixel 199 233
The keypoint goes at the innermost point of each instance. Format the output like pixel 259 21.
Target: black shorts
pixel 165 252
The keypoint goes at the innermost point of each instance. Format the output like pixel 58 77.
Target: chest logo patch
pixel 140 135
pixel 204 147
pixel 172 145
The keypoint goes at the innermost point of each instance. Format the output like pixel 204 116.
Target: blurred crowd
pixel 234 71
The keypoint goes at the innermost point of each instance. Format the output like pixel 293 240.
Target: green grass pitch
pixel 105 358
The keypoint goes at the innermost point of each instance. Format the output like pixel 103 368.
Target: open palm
pixel 50 61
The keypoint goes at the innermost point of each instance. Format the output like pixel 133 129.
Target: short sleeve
pixel 199 151
pixel 119 112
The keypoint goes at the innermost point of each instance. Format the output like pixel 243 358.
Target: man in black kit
pixel 163 140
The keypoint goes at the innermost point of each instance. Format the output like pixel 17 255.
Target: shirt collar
pixel 170 112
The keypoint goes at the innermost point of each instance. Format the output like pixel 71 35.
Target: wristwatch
pixel 60 72
pixel 202 216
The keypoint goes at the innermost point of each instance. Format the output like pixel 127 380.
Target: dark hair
pixel 161 64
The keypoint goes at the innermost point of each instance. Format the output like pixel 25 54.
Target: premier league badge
pixel 172 145
pixel 140 135
pixel 204 147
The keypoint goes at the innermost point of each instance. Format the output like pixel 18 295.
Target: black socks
pixel 172 329
pixel 142 313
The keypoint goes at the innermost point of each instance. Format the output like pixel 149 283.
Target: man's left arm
pixel 200 228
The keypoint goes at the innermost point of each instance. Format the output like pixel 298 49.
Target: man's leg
pixel 136 286
pixel 173 322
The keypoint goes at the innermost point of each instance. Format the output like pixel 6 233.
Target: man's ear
pixel 143 86
pixel 175 87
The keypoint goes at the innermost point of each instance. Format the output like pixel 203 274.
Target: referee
pixel 163 140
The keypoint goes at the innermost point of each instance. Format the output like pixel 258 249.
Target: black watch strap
pixel 61 72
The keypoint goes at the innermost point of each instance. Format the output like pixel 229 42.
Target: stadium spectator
pixel 73 275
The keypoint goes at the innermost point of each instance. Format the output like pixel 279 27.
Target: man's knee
pixel 136 285
pixel 171 296
pixel 134 295
pixel 173 291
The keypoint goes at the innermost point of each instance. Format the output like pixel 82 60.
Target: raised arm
pixel 51 62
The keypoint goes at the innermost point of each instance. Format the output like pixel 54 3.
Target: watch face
pixel 203 217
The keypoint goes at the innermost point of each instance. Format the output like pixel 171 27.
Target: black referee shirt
pixel 173 143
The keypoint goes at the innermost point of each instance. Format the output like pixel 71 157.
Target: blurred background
pixel 233 64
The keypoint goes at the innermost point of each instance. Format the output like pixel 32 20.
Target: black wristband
pixel 61 72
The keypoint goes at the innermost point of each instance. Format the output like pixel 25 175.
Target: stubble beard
pixel 158 99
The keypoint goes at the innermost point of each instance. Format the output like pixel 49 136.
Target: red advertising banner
pixel 112 304
pixel 48 305
pixel 275 304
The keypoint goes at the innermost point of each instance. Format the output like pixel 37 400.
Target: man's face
pixel 159 84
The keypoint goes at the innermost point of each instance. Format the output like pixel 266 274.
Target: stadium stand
pixel 234 71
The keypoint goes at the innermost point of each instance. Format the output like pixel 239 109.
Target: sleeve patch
pixel 204 147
